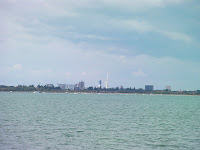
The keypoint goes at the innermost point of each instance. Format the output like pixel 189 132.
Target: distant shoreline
pixel 36 92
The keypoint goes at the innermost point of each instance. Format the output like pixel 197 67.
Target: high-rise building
pixel 99 86
pixel 70 86
pixel 81 85
pixel 148 87
pixel 106 82
pixel 76 87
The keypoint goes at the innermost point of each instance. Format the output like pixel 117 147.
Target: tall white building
pixel 106 82
pixel 99 86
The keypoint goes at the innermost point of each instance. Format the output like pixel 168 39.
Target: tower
pixel 106 82
pixel 99 86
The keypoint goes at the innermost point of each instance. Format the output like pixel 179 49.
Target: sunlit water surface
pixel 99 121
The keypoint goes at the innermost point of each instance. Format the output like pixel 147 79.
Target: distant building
pixel 106 82
pixel 121 87
pixel 76 87
pixel 70 86
pixel 62 86
pixel 99 86
pixel 168 88
pixel 50 85
pixel 81 85
pixel 148 87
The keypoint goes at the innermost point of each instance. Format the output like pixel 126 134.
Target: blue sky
pixel 137 42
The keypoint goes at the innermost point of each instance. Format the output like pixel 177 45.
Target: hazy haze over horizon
pixel 138 42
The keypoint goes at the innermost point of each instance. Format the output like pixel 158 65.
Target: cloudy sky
pixel 137 42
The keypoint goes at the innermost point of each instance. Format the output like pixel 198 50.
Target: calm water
pixel 99 121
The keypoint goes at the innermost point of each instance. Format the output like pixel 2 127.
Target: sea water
pixel 49 121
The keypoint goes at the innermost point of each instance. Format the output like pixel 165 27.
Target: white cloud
pixel 40 72
pixel 86 36
pixel 138 26
pixel 30 13
pixel 68 74
pixel 125 4
pixel 142 3
pixel 38 7
pixel 177 36
pixel 83 73
pixel 123 58
pixel 139 73
pixel 145 27
pixel 71 8
pixel 17 67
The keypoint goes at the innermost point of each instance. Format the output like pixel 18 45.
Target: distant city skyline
pixel 137 42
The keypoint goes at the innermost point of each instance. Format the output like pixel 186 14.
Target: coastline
pixel 110 93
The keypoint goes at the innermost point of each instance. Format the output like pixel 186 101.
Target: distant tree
pixel 90 88
pixel 198 92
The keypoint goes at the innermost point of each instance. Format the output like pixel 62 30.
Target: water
pixel 45 121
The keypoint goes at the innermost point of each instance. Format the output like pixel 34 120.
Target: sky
pixel 137 42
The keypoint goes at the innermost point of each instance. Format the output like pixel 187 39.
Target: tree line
pixel 40 88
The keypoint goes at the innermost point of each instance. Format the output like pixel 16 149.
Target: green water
pixel 99 121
